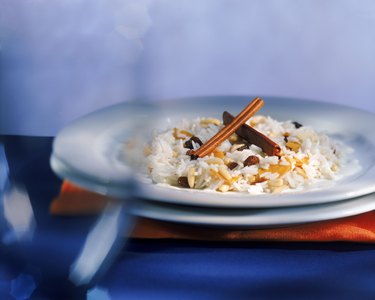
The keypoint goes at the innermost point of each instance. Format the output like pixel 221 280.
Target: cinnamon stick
pixel 253 136
pixel 228 130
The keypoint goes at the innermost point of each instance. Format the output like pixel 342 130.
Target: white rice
pixel 317 157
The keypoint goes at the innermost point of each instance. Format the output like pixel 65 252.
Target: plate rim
pixel 262 218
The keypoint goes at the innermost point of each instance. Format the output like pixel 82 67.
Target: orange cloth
pixel 74 200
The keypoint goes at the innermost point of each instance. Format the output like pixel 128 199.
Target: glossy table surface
pixel 38 267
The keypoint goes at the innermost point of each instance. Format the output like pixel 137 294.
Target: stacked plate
pixel 89 152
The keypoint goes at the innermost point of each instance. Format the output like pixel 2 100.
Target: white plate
pixel 88 152
pixel 255 218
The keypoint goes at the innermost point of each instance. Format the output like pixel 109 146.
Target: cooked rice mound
pixel 307 157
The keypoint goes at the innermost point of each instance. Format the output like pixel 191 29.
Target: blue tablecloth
pixel 167 269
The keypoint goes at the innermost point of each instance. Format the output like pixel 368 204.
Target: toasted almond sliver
pixel 181 134
pixel 175 133
pixel 187 133
pixel 213 173
pixel 250 178
pixel 191 177
pixel 301 162
pixel 293 146
pixel 219 154
pixel 224 188
pixel 223 171
pixel 236 178
pixel 210 121
pixel 280 169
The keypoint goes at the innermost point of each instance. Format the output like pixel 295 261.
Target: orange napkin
pixel 74 201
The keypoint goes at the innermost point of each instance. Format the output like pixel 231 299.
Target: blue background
pixel 62 59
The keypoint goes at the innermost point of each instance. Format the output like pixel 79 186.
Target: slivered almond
pixel 224 188
pixel 301 162
pixel 236 178
pixel 279 169
pixel 250 178
pixel 177 134
pixel 223 171
pixel 294 146
pixel 187 133
pixel 210 121
pixel 214 174
pixel 218 154
pixel 191 177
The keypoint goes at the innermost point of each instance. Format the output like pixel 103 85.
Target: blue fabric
pixel 186 270
pixel 170 269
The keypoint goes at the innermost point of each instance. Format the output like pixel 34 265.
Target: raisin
pixel 197 140
pixel 183 181
pixel 232 165
pixel 189 143
pixel 191 154
pixel 297 125
pixel 285 139
pixel 251 160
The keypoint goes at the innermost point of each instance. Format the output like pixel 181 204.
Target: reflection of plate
pixel 87 152
pixel 263 217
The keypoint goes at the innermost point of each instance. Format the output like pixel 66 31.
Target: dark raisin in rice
pixel 251 160
pixel 232 165
pixel 297 125
pixel 191 154
pixel 197 140
pixel 188 144
pixel 183 181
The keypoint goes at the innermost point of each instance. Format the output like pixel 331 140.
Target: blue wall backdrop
pixel 62 59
